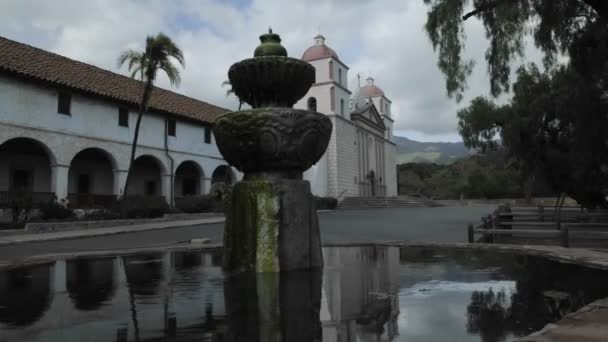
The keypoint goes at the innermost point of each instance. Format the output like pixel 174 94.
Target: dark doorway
pixel 84 184
pixel 22 180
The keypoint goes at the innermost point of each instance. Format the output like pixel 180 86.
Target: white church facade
pixel 361 157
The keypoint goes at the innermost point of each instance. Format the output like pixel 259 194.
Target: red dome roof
pixel 370 91
pixel 319 51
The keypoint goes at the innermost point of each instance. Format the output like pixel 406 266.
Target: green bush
pixel 102 215
pixel 196 204
pixel 142 207
pixel 55 211
pixel 326 203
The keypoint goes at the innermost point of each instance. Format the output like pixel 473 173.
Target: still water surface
pixel 363 294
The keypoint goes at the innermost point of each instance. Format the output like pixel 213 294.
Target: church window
pixel 381 106
pixel 332 99
pixel 342 107
pixel 312 104
pixel 64 103
pixel 386 108
pixel 331 70
pixel 339 76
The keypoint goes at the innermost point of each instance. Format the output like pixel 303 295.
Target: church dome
pixel 370 89
pixel 319 51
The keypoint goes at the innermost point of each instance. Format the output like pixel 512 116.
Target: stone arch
pixel 223 174
pixel 26 167
pixel 147 175
pixel 91 178
pixel 189 179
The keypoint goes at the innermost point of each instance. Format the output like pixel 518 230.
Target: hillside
pixel 411 151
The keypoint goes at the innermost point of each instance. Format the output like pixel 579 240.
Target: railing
pixel 86 201
pixel 35 198
pixel 559 228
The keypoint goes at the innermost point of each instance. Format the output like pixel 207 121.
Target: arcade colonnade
pixel 93 172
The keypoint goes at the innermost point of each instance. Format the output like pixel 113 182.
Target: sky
pixel 384 39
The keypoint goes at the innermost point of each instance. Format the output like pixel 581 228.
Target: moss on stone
pixel 252 228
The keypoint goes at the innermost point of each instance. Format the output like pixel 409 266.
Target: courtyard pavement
pixel 440 224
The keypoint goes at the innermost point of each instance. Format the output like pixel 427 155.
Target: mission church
pixel 66 129
pixel 361 157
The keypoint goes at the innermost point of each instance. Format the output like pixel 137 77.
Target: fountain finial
pixel 271 45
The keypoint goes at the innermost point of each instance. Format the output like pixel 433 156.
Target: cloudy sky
pixel 384 39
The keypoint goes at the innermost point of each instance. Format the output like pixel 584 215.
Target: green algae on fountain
pixel 271 223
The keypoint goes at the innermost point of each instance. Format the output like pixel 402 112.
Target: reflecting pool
pixel 363 294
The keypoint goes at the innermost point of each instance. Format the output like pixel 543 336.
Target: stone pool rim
pixel 586 257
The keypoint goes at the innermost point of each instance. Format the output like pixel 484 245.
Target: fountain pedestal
pixel 271 224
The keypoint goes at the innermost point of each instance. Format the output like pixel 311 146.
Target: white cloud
pixel 384 38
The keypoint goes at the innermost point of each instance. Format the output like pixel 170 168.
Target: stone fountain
pixel 271 224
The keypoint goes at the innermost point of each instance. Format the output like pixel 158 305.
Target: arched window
pixel 312 104
pixel 332 99
pixel 342 107
pixel 331 70
pixel 339 76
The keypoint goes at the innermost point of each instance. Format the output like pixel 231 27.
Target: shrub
pixel 142 207
pixel 102 215
pixel 55 211
pixel 195 204
pixel 326 203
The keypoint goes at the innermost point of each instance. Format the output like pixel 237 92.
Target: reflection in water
pixel 90 282
pixel 363 294
pixel 273 307
pixel 144 273
pixel 24 294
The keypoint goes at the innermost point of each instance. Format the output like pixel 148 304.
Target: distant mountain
pixel 412 151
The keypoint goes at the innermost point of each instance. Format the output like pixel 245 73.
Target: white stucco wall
pixel 317 176
pixel 30 111
pixel 390 154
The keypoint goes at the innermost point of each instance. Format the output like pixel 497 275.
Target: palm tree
pixel 231 92
pixel 158 55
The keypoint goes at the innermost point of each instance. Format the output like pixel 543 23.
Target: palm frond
pixel 171 71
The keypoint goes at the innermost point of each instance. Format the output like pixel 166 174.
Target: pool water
pixel 363 294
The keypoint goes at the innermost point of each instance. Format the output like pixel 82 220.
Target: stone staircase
pixel 385 202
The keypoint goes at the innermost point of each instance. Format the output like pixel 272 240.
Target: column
pixel 59 180
pixel 120 179
pixel 165 186
pixel 205 185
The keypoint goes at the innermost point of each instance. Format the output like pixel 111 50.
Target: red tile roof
pixel 36 64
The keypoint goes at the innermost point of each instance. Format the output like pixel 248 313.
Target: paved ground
pixel 441 224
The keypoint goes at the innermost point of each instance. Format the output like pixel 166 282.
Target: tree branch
pixel 482 8
pixel 600 7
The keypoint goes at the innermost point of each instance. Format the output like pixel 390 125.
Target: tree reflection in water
pixel 545 292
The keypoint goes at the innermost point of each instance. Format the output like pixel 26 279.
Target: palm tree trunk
pixel 142 108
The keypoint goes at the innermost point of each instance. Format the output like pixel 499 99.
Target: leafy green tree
pixel 158 55
pixel 555 25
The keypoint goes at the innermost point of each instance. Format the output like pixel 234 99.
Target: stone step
pixel 384 202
